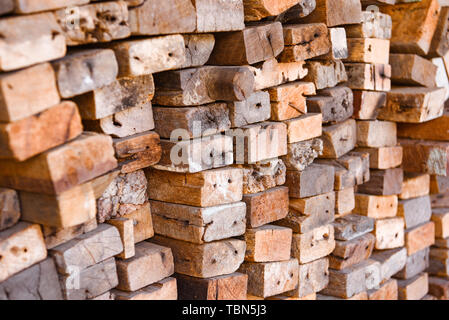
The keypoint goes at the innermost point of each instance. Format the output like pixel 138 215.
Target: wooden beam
pixel 53 171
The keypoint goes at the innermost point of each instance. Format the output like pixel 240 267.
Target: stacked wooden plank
pixel 377 199
pixel 352 273
pixel 51 163
pixel 431 134
pixel 417 98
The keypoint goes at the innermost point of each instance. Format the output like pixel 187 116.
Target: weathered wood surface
pixel 415 211
pixel 23 139
pixel 326 74
pixel 359 296
pixel 387 291
pixel 125 228
pixel 376 134
pixel 263 175
pixel 439 262
pixel 313 277
pixel 198 154
pixel 196 86
pixel 254 44
pixel 39 282
pixel 121 94
pixel 415 185
pixel 305 41
pixel 256 9
pixel 277 277
pixel 255 108
pixel 425 156
pixel 9 208
pixel 368 103
pixel 288 100
pixel 439 200
pixel 124 123
pixel 31 6
pixel 198 48
pixel 339 47
pixel 299 182
pixel 338 139
pixel 219 16
pixel 413 104
pixel 300 10
pixel 383 182
pixel 335 104
pixel 302 154
pixel 205 260
pixel 344 201
pixel 314 244
pixel 392 261
pixel 166 289
pixel 335 13
pixel 348 253
pixel 70 208
pixel 415 264
pixel 44 173
pixel 88 249
pixel 350 170
pixel 440 43
pixel 30 39
pixel 389 233
pixel 347 282
pixel 366 76
pixel 202 189
pixel 150 264
pixel 97 22
pixel 438 184
pixel 21 246
pixel 419 237
pixel 307 214
pixel 123 194
pixel 304 128
pixel 226 287
pixel 197 121
pixel 150 18
pixel 411 69
pixel 55 236
pixel 440 216
pixel 413 289
pixel 271 73
pixel 439 288
pixel 436 129
pixel 90 282
pixel 352 226
pixel 138 151
pixel 368 50
pixel 377 207
pixel 374 25
pixel 198 225
pixel 261 141
pixel 84 71
pixel 268 243
pixel 145 56
pixel 383 157
pixel 142 221
pixel 408 35
pixel 267 206
pixel 27 92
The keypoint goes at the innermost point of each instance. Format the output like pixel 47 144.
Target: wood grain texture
pixel 23 139
pixel 205 260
